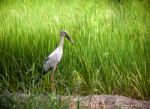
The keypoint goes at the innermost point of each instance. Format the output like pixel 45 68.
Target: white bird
pixel 54 58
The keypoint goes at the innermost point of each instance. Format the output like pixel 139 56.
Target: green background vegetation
pixel 111 53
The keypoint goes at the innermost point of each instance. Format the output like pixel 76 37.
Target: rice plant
pixel 111 53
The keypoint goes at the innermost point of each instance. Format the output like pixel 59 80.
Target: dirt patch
pixel 46 101
pixel 108 102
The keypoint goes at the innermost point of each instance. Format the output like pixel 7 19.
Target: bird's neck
pixel 61 43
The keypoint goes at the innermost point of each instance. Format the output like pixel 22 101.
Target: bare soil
pixel 74 102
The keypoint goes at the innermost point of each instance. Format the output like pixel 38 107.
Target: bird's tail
pixel 38 79
pixel 40 75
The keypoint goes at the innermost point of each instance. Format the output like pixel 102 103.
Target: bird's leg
pixel 53 88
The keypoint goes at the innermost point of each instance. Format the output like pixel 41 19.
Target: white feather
pixel 53 59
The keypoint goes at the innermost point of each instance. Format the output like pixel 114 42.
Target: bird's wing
pixel 52 60
pixel 46 60
pixel 47 65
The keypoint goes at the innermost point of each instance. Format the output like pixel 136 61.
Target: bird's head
pixel 65 34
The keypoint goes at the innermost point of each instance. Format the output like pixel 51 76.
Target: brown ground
pixel 73 102
pixel 108 102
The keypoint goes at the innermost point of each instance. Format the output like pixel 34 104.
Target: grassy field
pixel 111 53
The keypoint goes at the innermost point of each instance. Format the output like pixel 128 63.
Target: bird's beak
pixel 70 39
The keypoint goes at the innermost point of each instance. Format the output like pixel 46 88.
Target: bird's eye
pixel 65 33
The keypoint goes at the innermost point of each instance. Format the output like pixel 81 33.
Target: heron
pixel 51 62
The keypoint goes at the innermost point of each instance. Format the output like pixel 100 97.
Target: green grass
pixel 111 53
